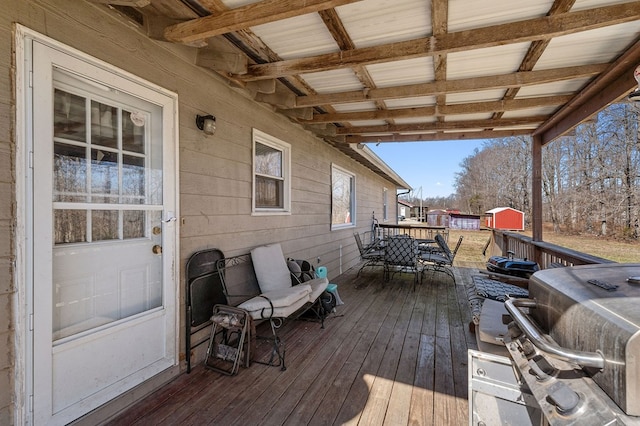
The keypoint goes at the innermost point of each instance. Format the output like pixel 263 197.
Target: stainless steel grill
pixel 577 343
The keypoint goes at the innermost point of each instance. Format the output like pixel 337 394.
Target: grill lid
pixel 596 308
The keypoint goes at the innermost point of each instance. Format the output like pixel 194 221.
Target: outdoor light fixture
pixel 635 95
pixel 206 123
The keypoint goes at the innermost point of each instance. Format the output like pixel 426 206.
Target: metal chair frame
pixel 402 254
pixel 371 254
pixel 443 260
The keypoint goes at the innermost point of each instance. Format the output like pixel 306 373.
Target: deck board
pixel 393 356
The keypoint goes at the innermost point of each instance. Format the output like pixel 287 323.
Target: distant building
pixel 464 221
pixel 404 209
pixel 438 217
pixel 505 218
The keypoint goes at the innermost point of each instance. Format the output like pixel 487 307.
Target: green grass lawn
pixel 618 251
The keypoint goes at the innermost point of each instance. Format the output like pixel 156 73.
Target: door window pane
pixel 133 125
pixel 133 172
pixel 133 223
pixel 104 175
pixel 69 173
pixel 70 226
pixel 104 225
pixel 104 125
pixel 69 116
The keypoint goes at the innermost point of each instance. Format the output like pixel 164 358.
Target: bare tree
pixel 590 180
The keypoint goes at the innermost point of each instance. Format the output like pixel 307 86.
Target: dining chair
pixel 371 254
pixel 402 254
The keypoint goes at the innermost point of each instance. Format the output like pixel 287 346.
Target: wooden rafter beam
pixel 496 35
pixel 339 33
pixel 537 48
pixel 441 111
pixel 440 25
pixel 613 84
pixel 516 79
pixel 245 17
pixel 441 126
pixel 335 26
pixel 430 137
pixel 130 3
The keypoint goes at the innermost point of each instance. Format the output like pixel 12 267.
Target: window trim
pixel 353 206
pixel 263 138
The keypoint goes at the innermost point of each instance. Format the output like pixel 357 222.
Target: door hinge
pixel 30 322
pixel 30 79
pixel 31 159
pixel 31 403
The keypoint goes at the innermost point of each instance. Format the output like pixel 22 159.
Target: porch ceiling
pixel 370 71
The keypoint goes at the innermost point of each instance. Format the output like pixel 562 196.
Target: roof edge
pixel 378 165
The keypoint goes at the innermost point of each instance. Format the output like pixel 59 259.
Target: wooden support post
pixel 536 191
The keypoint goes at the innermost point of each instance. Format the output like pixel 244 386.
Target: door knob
pixel 156 249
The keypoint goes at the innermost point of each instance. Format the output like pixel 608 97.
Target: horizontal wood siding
pixel 215 171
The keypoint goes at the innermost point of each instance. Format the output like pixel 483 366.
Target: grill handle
pixel 584 359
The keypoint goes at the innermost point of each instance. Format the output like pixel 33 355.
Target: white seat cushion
pixel 278 298
pixel 280 303
pixel 270 267
pixel 318 285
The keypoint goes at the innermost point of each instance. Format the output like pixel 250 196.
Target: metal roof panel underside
pixel 402 69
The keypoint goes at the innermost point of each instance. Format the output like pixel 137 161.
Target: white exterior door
pixel 104 233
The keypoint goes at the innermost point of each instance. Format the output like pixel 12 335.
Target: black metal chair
pixel 443 260
pixel 402 254
pixel 371 254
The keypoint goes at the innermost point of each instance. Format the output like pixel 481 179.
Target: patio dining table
pixel 424 245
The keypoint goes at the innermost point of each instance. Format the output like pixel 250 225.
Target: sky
pixel 430 165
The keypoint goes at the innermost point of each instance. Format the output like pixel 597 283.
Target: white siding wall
pixel 215 172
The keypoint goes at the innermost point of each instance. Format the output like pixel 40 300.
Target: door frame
pixel 24 241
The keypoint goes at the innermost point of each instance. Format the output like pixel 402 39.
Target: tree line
pixel 590 179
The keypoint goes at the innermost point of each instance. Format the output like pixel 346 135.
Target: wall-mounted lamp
pixel 206 123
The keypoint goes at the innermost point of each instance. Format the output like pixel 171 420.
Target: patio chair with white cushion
pixel 264 286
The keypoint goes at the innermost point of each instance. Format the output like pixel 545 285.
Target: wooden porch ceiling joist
pixel 441 110
pixel 441 126
pixel 265 11
pixel 517 79
pixel 535 51
pixel 497 35
pixel 261 65
pixel 609 87
pixel 432 137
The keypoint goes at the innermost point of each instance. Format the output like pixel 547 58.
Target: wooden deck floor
pixel 393 356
